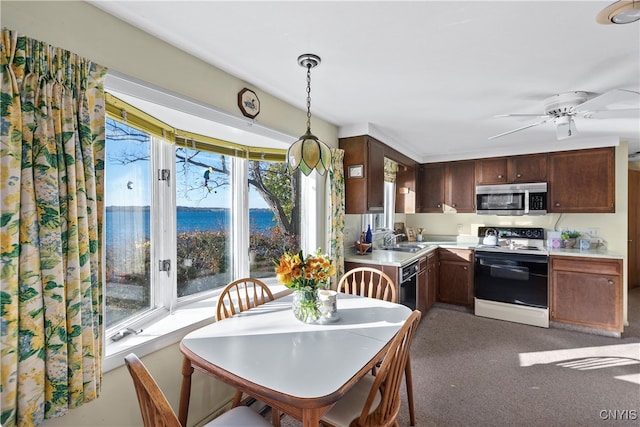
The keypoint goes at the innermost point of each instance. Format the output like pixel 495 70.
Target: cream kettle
pixel 490 237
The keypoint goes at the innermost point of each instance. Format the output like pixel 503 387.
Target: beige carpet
pixel 470 371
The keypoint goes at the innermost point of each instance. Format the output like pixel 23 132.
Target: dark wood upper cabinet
pixel 460 186
pixel 364 174
pixel 509 170
pixel 578 181
pixel 527 168
pixel 406 188
pixel 431 188
pixel 491 171
pixel 582 181
pixel 447 186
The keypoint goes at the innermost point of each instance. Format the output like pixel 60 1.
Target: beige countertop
pixel 595 253
pixel 400 259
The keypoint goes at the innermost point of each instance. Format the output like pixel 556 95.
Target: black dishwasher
pixel 408 277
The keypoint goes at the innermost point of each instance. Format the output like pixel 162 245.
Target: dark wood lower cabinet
pixel 587 292
pixel 455 276
pixel 427 281
pixel 422 298
pixel 432 278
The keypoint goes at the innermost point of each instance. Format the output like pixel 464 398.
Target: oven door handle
pixel 490 258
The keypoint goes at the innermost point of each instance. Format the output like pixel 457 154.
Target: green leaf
pixel 4 220
pixel 84 258
pixel 13 254
pixel 6 99
pixel 76 331
pixel 27 294
pixel 5 301
pixel 6 416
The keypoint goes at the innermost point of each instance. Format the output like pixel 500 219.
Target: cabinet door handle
pixel 453 205
pixel 438 205
pixel 611 282
pixel 464 268
pixel 518 175
pixel 500 176
pixel 557 204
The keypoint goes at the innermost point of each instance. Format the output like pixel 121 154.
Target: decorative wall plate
pixel 248 103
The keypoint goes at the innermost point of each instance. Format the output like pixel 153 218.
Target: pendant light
pixel 308 152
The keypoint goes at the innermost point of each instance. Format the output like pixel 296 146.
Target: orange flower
pixel 296 272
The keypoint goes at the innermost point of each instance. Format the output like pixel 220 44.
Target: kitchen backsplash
pixel 452 225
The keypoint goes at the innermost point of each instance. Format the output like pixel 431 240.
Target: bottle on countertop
pixel 369 238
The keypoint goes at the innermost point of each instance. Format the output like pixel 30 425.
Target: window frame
pixel 165 302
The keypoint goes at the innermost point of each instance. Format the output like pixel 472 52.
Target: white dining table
pixel 297 368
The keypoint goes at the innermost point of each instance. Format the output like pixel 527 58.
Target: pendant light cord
pixel 309 98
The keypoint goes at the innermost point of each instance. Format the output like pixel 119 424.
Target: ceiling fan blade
pixel 521 128
pixel 616 99
pixel 626 113
pixel 522 115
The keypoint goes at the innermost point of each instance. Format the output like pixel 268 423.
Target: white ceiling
pixel 426 77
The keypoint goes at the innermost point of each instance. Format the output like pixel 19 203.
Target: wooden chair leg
pixel 275 417
pixel 409 382
pixel 237 398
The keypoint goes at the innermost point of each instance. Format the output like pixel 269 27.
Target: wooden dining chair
pixel 157 412
pixel 241 295
pixel 373 283
pixel 368 282
pixel 238 296
pixel 375 399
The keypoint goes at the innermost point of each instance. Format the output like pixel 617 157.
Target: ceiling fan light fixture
pixel 620 12
pixel 565 127
pixel 308 152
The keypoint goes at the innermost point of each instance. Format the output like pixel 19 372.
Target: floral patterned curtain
pixel 390 170
pixel 336 211
pixel 51 186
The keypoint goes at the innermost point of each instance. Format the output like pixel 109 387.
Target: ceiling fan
pixel 564 107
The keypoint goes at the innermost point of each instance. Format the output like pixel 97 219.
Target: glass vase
pixel 306 306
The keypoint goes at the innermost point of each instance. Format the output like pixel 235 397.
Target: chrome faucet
pixel 390 238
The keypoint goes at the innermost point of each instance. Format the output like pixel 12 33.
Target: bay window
pixel 186 214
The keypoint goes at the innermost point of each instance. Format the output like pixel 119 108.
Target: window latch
pixel 124 332
pixel 165 265
pixel 164 175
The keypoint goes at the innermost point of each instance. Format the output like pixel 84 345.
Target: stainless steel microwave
pixel 512 199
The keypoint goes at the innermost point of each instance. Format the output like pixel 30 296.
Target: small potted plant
pixel 569 238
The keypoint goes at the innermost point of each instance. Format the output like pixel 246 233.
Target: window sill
pixel 168 330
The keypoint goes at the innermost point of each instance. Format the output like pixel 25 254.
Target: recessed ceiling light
pixel 620 12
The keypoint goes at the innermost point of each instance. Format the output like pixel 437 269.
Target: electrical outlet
pixel 593 232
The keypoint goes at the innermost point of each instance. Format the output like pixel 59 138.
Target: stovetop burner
pixel 515 240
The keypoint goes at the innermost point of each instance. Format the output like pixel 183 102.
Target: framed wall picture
pixel 411 234
pixel 356 171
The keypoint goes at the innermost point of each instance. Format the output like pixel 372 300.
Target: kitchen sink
pixel 411 247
